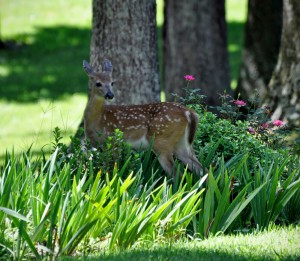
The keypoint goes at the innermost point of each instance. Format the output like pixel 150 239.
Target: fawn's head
pixel 102 82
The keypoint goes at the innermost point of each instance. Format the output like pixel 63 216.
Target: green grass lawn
pixel 27 124
pixel 42 84
pixel 282 244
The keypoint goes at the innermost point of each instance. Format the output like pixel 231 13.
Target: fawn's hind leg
pixel 188 157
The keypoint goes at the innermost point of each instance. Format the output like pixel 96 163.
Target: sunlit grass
pixel 159 12
pixel 278 244
pixel 4 71
pixel 23 125
pixel 32 71
pixel 236 13
pixel 22 17
pixel 236 10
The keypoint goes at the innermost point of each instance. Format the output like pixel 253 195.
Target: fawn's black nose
pixel 109 95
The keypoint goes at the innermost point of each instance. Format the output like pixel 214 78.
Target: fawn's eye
pixel 98 84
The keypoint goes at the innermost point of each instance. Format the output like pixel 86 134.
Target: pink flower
pixel 251 130
pixel 278 123
pixel 189 78
pixel 239 103
pixel 265 125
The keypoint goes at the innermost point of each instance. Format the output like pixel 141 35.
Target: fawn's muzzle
pixel 109 95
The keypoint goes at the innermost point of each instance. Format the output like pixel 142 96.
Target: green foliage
pixel 238 128
pixel 110 154
pixel 48 209
pixel 55 207
pixel 221 206
pixel 291 211
pixel 160 213
pixel 281 185
pixel 232 138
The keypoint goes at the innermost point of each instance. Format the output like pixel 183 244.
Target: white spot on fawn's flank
pixel 168 118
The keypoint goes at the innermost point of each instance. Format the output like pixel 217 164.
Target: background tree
pixel 284 89
pixel 261 46
pixel 124 31
pixel 195 42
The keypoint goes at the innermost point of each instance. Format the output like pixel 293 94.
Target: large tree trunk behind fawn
pixel 195 42
pixel 283 93
pixel 124 31
pixel 261 46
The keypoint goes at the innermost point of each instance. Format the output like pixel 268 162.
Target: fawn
pixel 172 125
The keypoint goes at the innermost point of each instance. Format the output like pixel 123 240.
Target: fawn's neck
pixel 94 109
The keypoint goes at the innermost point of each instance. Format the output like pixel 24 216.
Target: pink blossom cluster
pixel 239 103
pixel 189 77
pixel 277 123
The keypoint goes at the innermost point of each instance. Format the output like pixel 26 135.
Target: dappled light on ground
pixel 49 67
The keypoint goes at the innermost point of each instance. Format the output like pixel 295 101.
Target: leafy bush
pixel 238 128
pixel 233 139
pixel 114 151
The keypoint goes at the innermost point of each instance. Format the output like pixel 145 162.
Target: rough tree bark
pixel 124 31
pixel 196 43
pixel 261 46
pixel 284 89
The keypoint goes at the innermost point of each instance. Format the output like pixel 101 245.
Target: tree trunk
pixel 284 88
pixel 196 43
pixel 261 46
pixel 124 31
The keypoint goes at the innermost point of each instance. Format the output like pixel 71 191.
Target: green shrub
pixel 238 128
pixel 233 139
pixel 113 152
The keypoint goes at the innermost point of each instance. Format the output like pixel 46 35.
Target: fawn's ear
pixel 87 68
pixel 107 66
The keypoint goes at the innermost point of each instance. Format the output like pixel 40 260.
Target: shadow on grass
pixel 47 66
